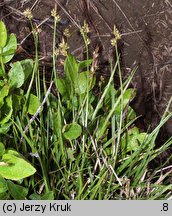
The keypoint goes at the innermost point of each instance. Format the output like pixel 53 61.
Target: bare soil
pixel 146 28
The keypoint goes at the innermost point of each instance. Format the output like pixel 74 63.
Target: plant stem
pixel 2 63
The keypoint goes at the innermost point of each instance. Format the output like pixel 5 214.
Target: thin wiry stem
pixel 69 15
pixel 38 111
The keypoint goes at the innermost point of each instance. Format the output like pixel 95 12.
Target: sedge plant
pixel 84 145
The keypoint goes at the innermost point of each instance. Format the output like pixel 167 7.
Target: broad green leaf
pixel 2 149
pixel 10 52
pixel 3 82
pixel 3 93
pixel 65 88
pixel 27 66
pixel 15 166
pixel 33 104
pixel 6 110
pixel 71 69
pixel 3 35
pixel 72 131
pixel 47 196
pixel 3 185
pixel 17 102
pixel 35 196
pixel 16 75
pixel 112 92
pixel 84 64
pixel 108 98
pixel 16 191
pixel 4 196
pixel 5 128
pixel 10 48
pixel 74 103
pixel 132 140
pixel 61 86
pixel 133 131
pixel 126 99
pixel 82 82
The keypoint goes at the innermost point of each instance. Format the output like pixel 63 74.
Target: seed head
pixel 56 52
pixel 55 15
pixel 63 46
pixel 28 13
pixel 66 33
pixel 117 36
pixel 85 28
